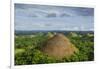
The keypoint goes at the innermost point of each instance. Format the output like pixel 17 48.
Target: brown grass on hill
pixel 59 46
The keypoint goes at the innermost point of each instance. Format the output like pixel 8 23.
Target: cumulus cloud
pixel 38 17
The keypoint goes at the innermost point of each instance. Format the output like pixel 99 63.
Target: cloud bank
pixel 40 17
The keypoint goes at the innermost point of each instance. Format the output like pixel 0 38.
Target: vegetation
pixel 27 48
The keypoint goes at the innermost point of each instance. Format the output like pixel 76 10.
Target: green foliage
pixel 27 49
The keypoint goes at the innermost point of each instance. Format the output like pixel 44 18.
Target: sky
pixel 30 17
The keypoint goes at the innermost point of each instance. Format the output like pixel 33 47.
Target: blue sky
pixel 42 17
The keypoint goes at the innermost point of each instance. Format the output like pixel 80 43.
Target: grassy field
pixel 27 48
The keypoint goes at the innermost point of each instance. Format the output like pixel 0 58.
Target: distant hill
pixel 17 32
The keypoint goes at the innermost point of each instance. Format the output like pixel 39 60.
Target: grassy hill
pixel 27 48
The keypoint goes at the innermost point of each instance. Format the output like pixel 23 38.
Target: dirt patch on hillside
pixel 59 46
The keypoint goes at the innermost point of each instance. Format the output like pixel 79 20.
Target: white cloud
pixel 35 19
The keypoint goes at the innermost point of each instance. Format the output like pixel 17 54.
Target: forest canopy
pixel 27 48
